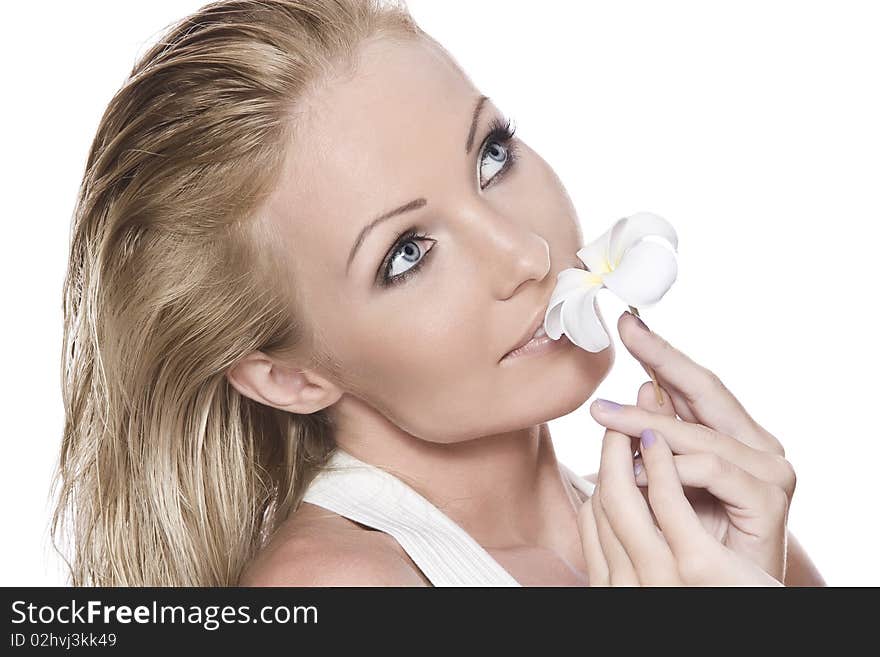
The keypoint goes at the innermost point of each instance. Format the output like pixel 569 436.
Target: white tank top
pixel 442 549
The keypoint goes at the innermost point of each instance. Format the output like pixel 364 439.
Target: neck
pixel 507 491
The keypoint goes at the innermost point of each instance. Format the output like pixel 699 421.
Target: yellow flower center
pixel 591 279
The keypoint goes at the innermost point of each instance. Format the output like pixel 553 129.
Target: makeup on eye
pixel 500 134
pixel 409 236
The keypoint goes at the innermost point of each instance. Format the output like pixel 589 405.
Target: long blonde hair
pixel 168 476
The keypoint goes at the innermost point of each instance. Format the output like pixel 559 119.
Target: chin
pixel 591 368
pixel 575 385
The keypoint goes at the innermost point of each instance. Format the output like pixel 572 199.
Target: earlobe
pixel 281 386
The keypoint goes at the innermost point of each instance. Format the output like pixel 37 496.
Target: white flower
pixel 633 259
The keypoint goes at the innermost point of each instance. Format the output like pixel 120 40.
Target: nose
pixel 513 252
pixel 530 263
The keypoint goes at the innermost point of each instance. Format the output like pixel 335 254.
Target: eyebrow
pixel 415 203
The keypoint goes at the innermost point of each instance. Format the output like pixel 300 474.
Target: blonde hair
pixel 167 475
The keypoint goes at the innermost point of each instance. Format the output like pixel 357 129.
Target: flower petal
pixel 581 323
pixel 568 282
pixel 627 232
pixel 595 254
pixel 645 274
pixel 553 321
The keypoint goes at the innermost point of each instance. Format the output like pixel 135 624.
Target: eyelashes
pixel 410 235
pixel 501 132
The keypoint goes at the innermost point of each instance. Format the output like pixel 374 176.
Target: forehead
pixel 370 142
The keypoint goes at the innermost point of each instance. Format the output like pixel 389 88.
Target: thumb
pixel 647 400
pixel 673 402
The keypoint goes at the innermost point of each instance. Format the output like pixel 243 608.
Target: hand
pixel 624 547
pixel 742 484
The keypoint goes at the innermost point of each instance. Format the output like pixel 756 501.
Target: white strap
pixel 583 485
pixel 445 553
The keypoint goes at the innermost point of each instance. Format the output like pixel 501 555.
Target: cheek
pixel 544 176
pixel 423 351
pixel 541 194
pixel 429 373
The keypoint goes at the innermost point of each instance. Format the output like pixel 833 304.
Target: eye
pixel 405 258
pixel 497 154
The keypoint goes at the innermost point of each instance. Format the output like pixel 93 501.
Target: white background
pixel 752 126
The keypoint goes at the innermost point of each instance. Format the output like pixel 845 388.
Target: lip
pixel 544 344
pixel 537 320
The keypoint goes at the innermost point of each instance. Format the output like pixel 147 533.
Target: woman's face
pixel 419 323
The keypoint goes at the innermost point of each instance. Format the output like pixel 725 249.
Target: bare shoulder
pixel 316 547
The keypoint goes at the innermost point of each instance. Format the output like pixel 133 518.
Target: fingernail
pixel 648 438
pixel 607 405
pixel 640 322
pixel 637 468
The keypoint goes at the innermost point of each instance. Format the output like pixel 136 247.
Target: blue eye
pixel 407 247
pixel 497 154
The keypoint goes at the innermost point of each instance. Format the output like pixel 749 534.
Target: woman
pixel 279 265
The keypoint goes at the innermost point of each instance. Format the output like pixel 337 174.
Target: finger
pixel 752 506
pixel 647 400
pixel 681 527
pixel 688 438
pixel 679 404
pixel 727 482
pixel 626 510
pixel 597 567
pixel 707 397
pixel 621 571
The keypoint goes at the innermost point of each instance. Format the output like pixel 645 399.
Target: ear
pixel 287 387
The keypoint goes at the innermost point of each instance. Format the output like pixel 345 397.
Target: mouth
pixel 533 333
pixel 535 338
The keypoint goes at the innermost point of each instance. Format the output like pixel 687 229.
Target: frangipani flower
pixel 635 259
pixel 625 259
